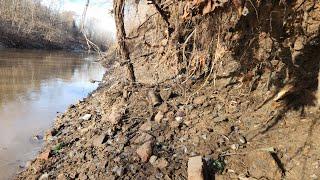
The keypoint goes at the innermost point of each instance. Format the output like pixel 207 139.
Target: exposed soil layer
pixel 232 82
pixel 237 135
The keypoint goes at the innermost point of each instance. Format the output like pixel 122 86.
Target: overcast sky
pixel 98 9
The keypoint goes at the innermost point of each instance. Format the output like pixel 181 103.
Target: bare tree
pixel 118 8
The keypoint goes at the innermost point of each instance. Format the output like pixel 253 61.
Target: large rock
pixel 263 165
pixel 195 168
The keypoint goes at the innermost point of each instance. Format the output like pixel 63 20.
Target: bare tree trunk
pixel 118 7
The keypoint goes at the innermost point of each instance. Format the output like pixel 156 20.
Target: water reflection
pixel 34 85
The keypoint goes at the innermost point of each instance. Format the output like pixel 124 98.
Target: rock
pixel 61 177
pixel 179 119
pixel 119 171
pixel 153 159
pixel 199 100
pixel 164 108
pixel 161 163
pixel 154 99
pixel 45 155
pixel 99 140
pixel 159 116
pixel 145 151
pixel 262 165
pixel 165 94
pixel 44 176
pixel 147 126
pixel 144 137
pixel 234 146
pixel 242 140
pixel 195 168
pixel 116 114
pixel 299 43
pixel 86 117
pixel 83 176
pixel 37 137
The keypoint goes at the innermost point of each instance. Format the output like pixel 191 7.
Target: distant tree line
pixel 30 24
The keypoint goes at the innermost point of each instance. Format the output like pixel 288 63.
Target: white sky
pixel 98 9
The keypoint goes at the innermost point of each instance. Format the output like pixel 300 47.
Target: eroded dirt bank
pixel 119 133
pixel 227 90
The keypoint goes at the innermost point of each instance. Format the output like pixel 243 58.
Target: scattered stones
pixel 86 117
pixel 145 151
pixel 199 100
pixel 195 168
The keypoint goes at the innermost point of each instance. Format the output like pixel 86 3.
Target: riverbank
pixel 153 131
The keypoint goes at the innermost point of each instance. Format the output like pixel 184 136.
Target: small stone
pixel 204 136
pixel 161 163
pixel 145 151
pixel 159 175
pixel 165 94
pixel 164 108
pixel 147 126
pixel 86 117
pixel 262 165
pixel 45 155
pixel 159 116
pixel 195 168
pixel 153 159
pixel 299 43
pixel 179 119
pixel 118 170
pixel 37 137
pixel 99 140
pixel 44 176
pixel 154 99
pixel 61 177
pixel 144 137
pixel 242 140
pixel 234 146
pixel 199 100
pixel 220 119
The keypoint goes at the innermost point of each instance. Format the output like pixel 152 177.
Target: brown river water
pixel 34 87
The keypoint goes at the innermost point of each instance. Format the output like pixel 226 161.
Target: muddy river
pixel 34 87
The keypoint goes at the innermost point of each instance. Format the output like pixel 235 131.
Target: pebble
pixel 195 168
pixel 159 116
pixel 99 140
pixel 146 126
pixel 145 151
pixel 161 163
pixel 86 117
pixel 153 159
pixel 234 146
pixel 242 140
pixel 199 100
pixel 119 171
pixel 44 176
